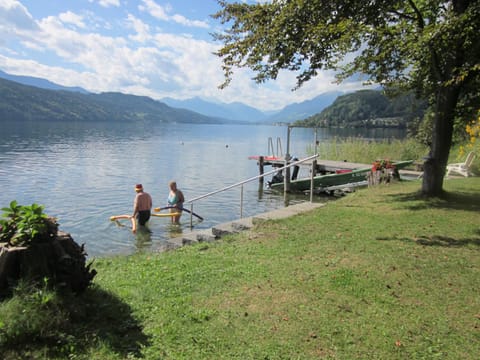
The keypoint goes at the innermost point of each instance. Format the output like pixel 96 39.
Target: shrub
pixel 23 225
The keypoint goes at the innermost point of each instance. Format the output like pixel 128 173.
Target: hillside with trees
pixel 27 103
pixel 368 108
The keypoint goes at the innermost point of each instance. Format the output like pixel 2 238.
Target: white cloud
pixel 191 23
pixel 155 10
pixel 161 13
pixel 76 47
pixel 73 19
pixel 57 74
pixel 14 17
pixel 106 3
pixel 142 29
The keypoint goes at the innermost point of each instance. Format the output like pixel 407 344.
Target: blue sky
pixel 146 47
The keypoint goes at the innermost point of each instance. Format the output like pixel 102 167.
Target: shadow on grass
pixel 446 241
pixel 92 321
pixel 467 201
pixel 105 317
pixel 436 240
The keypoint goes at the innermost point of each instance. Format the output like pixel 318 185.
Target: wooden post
pixel 312 175
pixel 314 165
pixel 287 160
pixel 260 167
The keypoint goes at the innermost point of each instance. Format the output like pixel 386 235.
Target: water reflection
pixel 175 230
pixel 143 238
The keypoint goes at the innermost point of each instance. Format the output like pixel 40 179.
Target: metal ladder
pixel 271 149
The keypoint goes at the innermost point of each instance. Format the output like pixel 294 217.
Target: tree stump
pixel 60 259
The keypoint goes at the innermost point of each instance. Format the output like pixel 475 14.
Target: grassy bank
pixel 365 151
pixel 359 150
pixel 378 274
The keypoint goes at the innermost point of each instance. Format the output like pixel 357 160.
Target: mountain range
pixel 240 112
pixel 198 109
pixel 40 83
pixel 20 102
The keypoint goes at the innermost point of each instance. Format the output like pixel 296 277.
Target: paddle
pixel 174 207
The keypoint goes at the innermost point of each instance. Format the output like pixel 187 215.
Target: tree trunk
pixel 436 162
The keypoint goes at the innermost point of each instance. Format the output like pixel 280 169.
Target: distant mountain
pixel 233 111
pixel 368 108
pixel 22 102
pixel 299 111
pixel 40 83
pixel 241 112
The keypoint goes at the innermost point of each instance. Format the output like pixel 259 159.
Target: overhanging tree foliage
pixel 429 46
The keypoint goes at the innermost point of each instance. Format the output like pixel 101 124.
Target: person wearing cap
pixel 142 205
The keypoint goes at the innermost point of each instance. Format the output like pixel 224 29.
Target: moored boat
pixel 341 177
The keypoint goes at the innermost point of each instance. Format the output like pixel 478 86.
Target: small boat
pixel 340 177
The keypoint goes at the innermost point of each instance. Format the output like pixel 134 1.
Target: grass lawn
pixel 378 274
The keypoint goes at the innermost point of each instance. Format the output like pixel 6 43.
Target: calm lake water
pixel 83 173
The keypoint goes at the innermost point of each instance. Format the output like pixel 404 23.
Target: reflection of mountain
pixel 21 102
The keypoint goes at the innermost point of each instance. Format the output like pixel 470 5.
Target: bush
pixel 24 225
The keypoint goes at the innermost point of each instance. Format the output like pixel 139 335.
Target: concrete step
pixel 233 227
pixel 191 238
pixel 286 212
pixel 236 226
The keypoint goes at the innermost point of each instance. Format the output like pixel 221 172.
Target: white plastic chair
pixel 462 168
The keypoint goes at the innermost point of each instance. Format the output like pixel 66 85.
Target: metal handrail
pixel 241 183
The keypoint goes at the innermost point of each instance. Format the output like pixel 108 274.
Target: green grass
pixel 378 274
pixel 364 151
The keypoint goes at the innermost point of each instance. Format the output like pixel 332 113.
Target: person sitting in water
pixel 175 200
pixel 142 205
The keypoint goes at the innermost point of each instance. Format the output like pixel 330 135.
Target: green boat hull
pixel 323 181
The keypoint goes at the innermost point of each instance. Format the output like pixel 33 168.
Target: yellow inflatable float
pixel 134 222
pixel 121 217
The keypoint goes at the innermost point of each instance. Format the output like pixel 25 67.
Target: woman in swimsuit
pixel 175 199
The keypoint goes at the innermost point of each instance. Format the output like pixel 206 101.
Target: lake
pixel 83 173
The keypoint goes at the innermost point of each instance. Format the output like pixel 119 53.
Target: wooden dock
pixel 277 160
pixel 322 166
